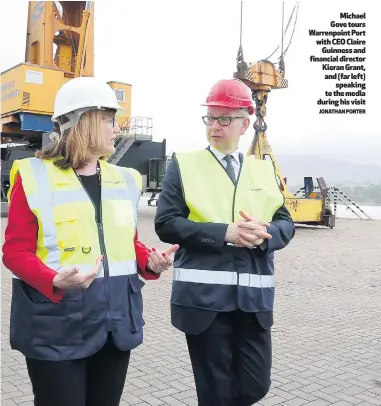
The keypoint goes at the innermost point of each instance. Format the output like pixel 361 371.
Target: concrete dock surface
pixel 326 333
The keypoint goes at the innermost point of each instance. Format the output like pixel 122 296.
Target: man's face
pixel 225 138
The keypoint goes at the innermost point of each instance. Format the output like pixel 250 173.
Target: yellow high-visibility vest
pixel 211 196
pixel 233 277
pixel 68 233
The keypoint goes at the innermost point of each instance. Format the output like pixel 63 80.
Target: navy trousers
pixel 231 361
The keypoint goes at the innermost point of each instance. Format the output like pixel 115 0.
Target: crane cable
pixel 296 6
pixel 260 125
pixel 292 35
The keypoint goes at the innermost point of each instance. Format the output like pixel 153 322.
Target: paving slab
pixel 327 327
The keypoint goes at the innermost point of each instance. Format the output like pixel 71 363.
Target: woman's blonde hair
pixel 76 145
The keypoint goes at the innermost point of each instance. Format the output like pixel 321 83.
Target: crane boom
pixel 59 47
pixel 61 35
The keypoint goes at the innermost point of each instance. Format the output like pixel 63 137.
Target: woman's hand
pixel 71 278
pixel 161 261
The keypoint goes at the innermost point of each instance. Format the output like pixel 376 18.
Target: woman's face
pixel 110 131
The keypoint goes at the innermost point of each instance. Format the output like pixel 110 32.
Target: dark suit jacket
pixel 173 227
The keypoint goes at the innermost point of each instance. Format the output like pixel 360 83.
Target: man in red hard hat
pixel 230 93
pixel 227 214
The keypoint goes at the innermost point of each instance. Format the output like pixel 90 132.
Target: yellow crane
pixel 313 208
pixel 59 47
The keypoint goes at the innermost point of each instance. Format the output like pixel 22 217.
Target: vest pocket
pixel 128 329
pixel 136 303
pixel 66 223
pixel 57 323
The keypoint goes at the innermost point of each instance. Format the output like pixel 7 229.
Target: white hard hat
pixel 82 94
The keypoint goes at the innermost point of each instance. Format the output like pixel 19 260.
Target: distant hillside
pixel 334 171
pixel 369 195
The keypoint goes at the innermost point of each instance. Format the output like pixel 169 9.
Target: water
pixel 374 212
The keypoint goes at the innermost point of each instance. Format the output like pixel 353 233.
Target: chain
pixel 260 125
pixel 260 112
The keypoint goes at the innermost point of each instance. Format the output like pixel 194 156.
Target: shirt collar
pixel 220 155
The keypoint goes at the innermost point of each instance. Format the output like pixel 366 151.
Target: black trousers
pixel 94 381
pixel 231 361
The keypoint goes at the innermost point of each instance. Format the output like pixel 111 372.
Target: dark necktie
pixel 229 168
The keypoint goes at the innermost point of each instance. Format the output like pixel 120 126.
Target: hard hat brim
pixel 119 110
pixel 227 105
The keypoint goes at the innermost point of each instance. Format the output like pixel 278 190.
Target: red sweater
pixel 19 249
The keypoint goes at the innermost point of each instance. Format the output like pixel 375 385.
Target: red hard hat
pixel 230 93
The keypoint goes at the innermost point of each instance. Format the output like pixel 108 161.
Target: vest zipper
pixel 233 209
pixel 105 265
pixel 235 188
pixel 102 246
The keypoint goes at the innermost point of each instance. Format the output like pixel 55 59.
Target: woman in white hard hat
pixel 71 245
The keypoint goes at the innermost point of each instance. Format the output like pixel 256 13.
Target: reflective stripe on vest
pixel 44 201
pixel 223 278
pixel 201 279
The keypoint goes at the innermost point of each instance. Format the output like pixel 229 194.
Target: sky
pixel 172 52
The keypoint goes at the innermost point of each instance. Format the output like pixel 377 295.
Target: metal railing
pixel 138 127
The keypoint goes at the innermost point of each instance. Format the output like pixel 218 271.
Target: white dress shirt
pixel 235 161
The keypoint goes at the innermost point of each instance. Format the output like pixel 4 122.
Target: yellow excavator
pixel 313 207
